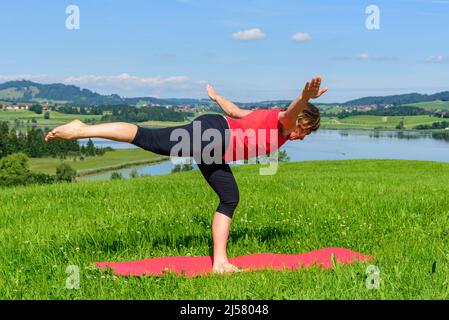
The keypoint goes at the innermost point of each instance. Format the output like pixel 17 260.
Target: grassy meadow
pixel 56 118
pixel 372 122
pixel 432 105
pixel 394 210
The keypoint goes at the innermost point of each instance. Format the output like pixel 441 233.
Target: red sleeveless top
pixel 257 134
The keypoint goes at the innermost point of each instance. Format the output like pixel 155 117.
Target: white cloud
pixel 249 35
pixel 126 79
pixel 124 84
pixel 363 56
pixel 30 77
pixel 437 59
pixel 130 85
pixel 301 37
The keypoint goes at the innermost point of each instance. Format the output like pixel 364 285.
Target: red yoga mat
pixel 195 266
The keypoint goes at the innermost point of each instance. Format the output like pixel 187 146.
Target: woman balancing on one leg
pixel 299 120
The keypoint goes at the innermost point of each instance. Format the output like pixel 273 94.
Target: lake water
pixel 327 145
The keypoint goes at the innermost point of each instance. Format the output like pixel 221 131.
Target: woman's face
pixel 299 134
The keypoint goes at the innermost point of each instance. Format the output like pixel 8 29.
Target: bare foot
pixel 68 131
pixel 225 267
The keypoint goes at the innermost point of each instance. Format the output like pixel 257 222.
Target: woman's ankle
pixel 220 261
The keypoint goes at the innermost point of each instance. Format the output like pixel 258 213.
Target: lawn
pixel 394 210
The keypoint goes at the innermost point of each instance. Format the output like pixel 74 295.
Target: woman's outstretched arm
pixel 228 107
pixel 311 91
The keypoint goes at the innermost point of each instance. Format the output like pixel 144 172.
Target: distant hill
pixel 401 99
pixel 28 91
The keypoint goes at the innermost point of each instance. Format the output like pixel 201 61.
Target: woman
pixel 299 120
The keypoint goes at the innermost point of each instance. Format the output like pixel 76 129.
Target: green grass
pixel 109 159
pixel 395 210
pixel 56 118
pixel 371 122
pixel 333 109
pixel 433 105
pixel 163 123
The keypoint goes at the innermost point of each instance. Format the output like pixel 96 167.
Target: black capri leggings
pixel 218 174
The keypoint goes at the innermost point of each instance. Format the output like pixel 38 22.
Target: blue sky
pixel 171 48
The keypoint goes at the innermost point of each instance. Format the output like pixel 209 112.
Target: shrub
pixel 64 172
pixel 116 176
pixel 133 173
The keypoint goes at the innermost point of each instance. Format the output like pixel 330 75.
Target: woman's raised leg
pixel 117 131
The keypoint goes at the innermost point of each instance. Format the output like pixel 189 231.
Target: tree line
pixel 435 125
pixel 390 112
pixel 15 171
pixel 127 113
pixel 81 110
pixel 32 144
pixel 17 147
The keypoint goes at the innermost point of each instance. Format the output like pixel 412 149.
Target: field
pixel 354 122
pixel 162 123
pixel 330 109
pixel 372 122
pixel 109 160
pixel 394 210
pixel 56 118
pixel 433 105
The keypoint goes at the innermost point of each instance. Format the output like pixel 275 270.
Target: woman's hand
pixel 211 92
pixel 312 89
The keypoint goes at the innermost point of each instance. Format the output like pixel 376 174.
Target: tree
pixel 14 170
pixel 90 148
pixel 283 156
pixel 4 130
pixel 47 115
pixel 36 108
pixel 177 168
pixel 400 126
pixel 13 142
pixel 65 172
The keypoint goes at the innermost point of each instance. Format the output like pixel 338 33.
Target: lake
pixel 327 145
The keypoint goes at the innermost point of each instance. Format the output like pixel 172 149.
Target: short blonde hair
pixel 310 118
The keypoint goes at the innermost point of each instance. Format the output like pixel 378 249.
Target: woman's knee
pixel 229 205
